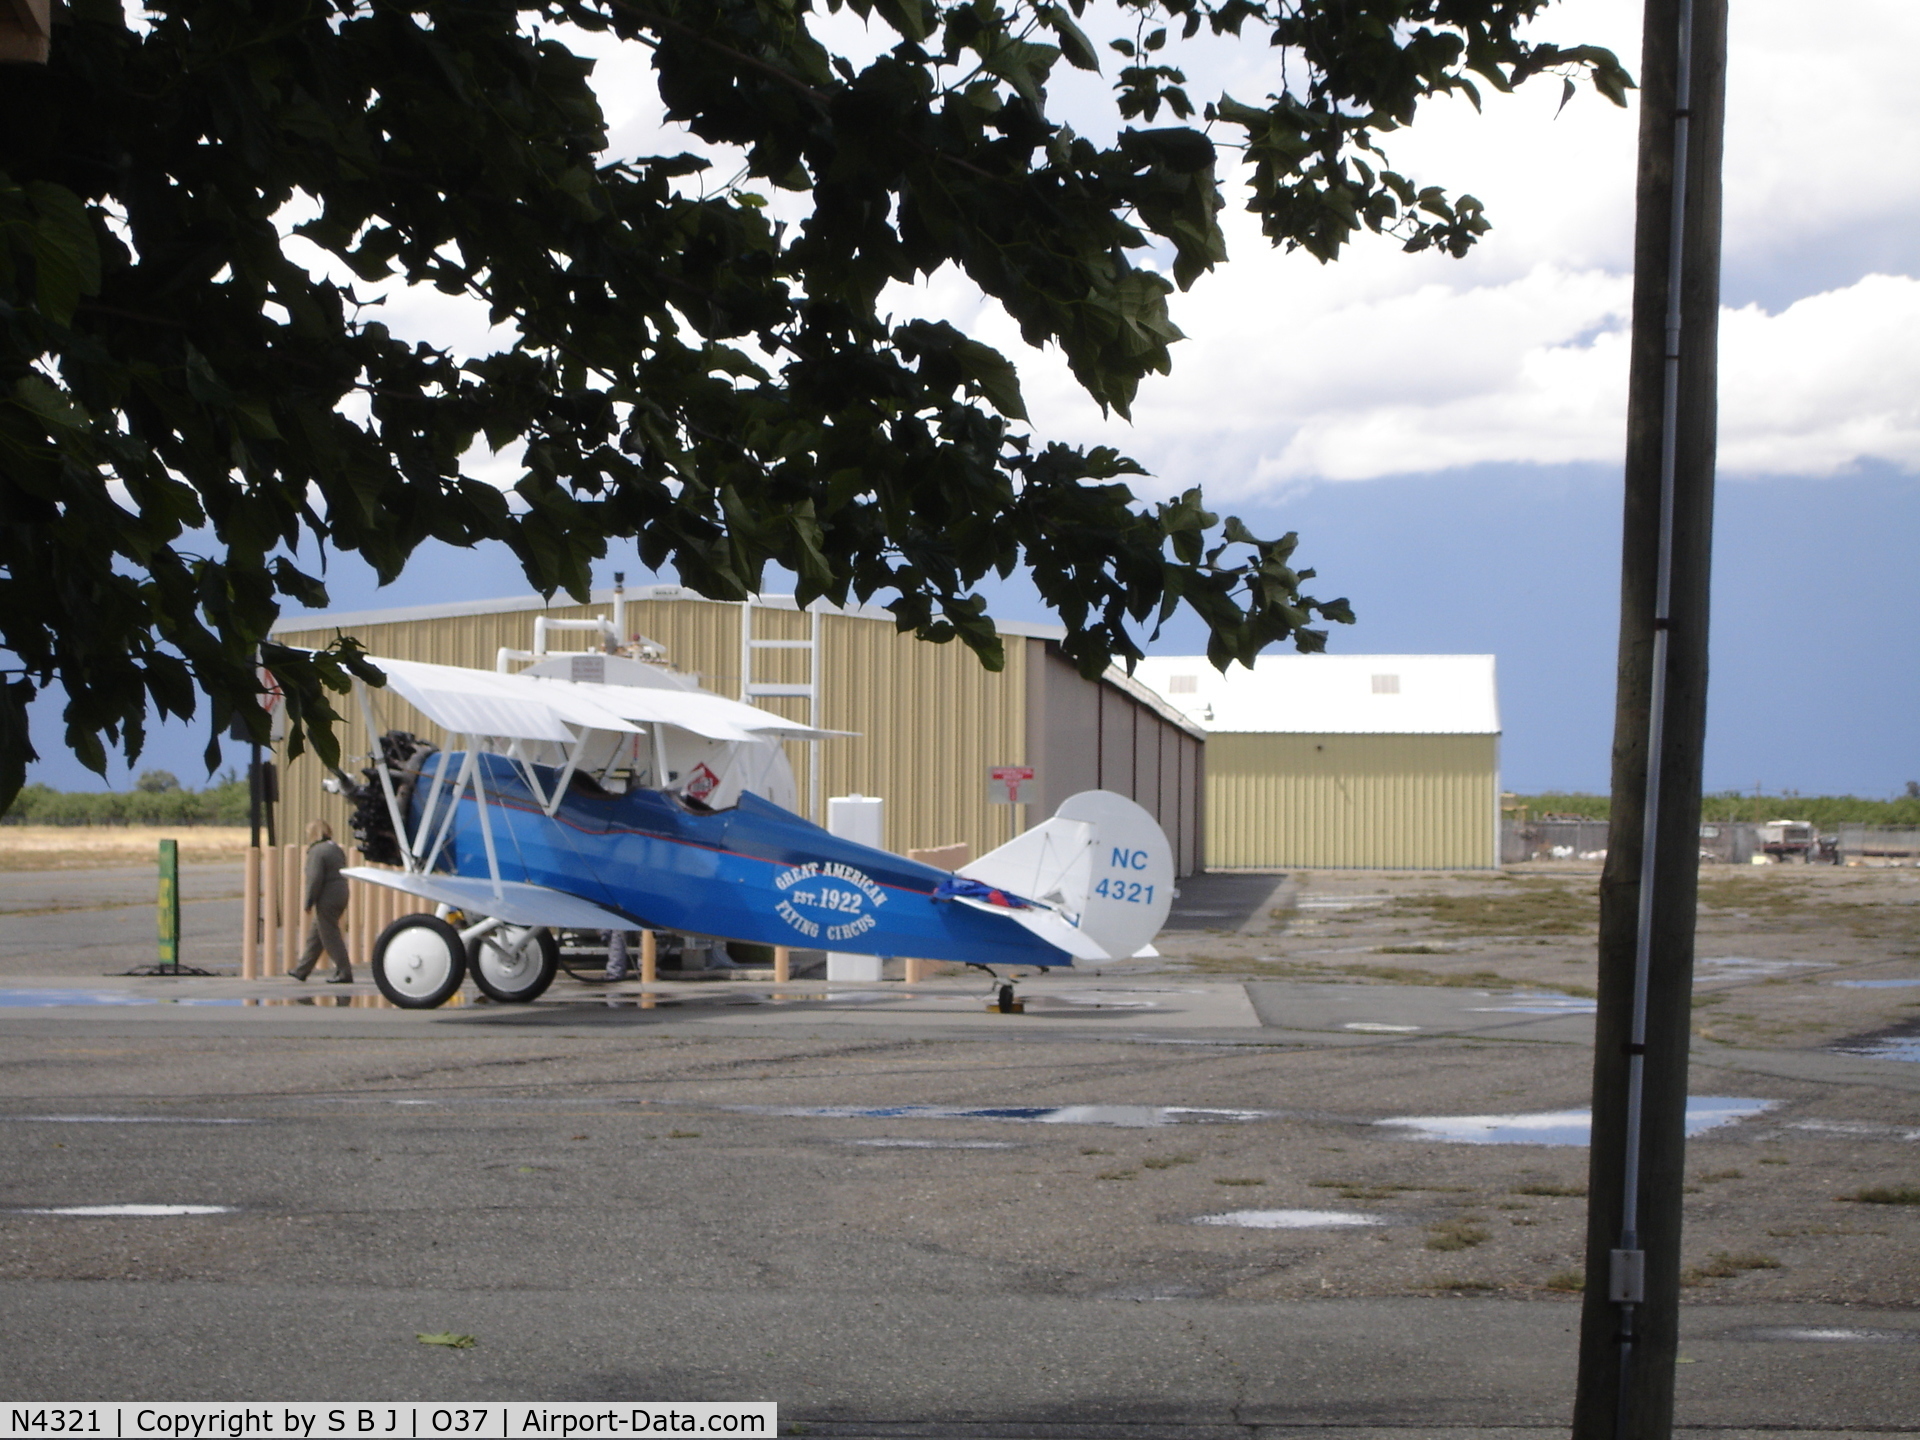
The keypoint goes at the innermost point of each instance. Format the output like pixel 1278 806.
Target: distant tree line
pixel 157 798
pixel 1825 811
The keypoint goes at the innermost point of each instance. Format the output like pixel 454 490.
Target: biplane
pixel 601 793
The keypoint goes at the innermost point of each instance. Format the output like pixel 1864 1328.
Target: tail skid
pixel 1102 870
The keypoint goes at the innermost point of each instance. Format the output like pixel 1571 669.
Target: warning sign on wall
pixel 1004 783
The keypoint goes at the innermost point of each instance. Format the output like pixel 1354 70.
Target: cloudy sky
pixel 1446 434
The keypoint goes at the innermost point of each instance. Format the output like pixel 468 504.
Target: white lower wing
pixel 516 902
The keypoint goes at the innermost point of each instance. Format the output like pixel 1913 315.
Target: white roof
pixel 1332 694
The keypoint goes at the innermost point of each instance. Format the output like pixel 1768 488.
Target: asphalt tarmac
pixel 888 1209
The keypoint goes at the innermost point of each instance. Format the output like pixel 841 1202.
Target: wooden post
pixel 782 964
pixel 649 958
pixel 1630 1313
pixel 913 972
pixel 269 911
pixel 292 875
pixel 357 950
pixel 250 916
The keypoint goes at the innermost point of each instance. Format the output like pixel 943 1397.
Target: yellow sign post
pixel 169 904
pixel 167 913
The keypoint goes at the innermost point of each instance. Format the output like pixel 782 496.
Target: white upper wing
pixel 536 707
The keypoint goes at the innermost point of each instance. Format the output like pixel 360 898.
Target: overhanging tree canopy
pixel 182 404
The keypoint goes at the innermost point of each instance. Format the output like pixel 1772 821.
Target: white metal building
pixel 1345 761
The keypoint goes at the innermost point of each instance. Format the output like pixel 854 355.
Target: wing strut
pixel 486 824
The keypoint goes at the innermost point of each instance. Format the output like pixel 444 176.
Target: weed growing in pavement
pixel 1235 1180
pixel 1361 1190
pixel 1458 1232
pixel 1886 1195
pixel 1724 1265
pixel 1519 907
pixel 1116 1175
pixel 1542 1187
pixel 1571 1280
pixel 1166 1162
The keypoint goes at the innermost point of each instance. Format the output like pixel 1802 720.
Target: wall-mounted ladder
pixel 752 690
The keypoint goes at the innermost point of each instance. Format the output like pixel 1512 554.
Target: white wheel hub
pixel 510 957
pixel 416 960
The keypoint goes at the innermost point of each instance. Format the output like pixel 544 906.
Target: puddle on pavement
pixel 20 998
pixel 1900 1042
pixel 1340 902
pixel 1823 1334
pixel 1099 1002
pixel 1548 1003
pixel 112 1210
pixel 1874 984
pixel 1561 1127
pixel 1142 1293
pixel 127 1120
pixel 1864 1129
pixel 1289 1219
pixel 1135 1117
pixel 1741 967
pixel 894 1142
pixel 624 1001
pixel 37 999
pixel 1380 1027
pixel 1899 1047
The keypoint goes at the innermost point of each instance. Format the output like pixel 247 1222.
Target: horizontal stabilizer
pixel 516 901
pixel 1049 925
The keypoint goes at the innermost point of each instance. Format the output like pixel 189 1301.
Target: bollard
pixel 269 911
pixel 649 958
pixel 782 964
pixel 913 972
pixel 357 948
pixel 293 874
pixel 250 916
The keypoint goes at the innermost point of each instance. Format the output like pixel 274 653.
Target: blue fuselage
pixel 756 873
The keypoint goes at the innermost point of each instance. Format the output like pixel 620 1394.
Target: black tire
pixel 419 962
pixel 513 965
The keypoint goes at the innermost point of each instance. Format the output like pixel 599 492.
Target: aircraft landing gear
pixel 1003 1001
pixel 513 964
pixel 418 962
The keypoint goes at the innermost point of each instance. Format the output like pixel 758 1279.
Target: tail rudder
pixel 1102 862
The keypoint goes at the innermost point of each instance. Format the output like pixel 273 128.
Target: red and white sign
pixel 273 700
pixel 1004 782
pixel 701 783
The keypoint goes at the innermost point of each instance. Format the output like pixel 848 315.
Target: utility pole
pixel 1629 1324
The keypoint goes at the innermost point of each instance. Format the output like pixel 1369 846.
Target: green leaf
pixel 1074 44
pixel 65 255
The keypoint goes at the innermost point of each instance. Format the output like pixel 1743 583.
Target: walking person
pixel 326 902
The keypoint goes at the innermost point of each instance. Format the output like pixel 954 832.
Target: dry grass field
pixel 97 847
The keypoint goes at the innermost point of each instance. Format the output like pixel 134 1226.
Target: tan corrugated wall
pixel 1367 802
pixel 930 719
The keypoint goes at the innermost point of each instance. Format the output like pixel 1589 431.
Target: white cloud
pixel 1386 364
pixel 1829 381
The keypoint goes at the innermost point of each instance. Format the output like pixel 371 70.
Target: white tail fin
pixel 1101 863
